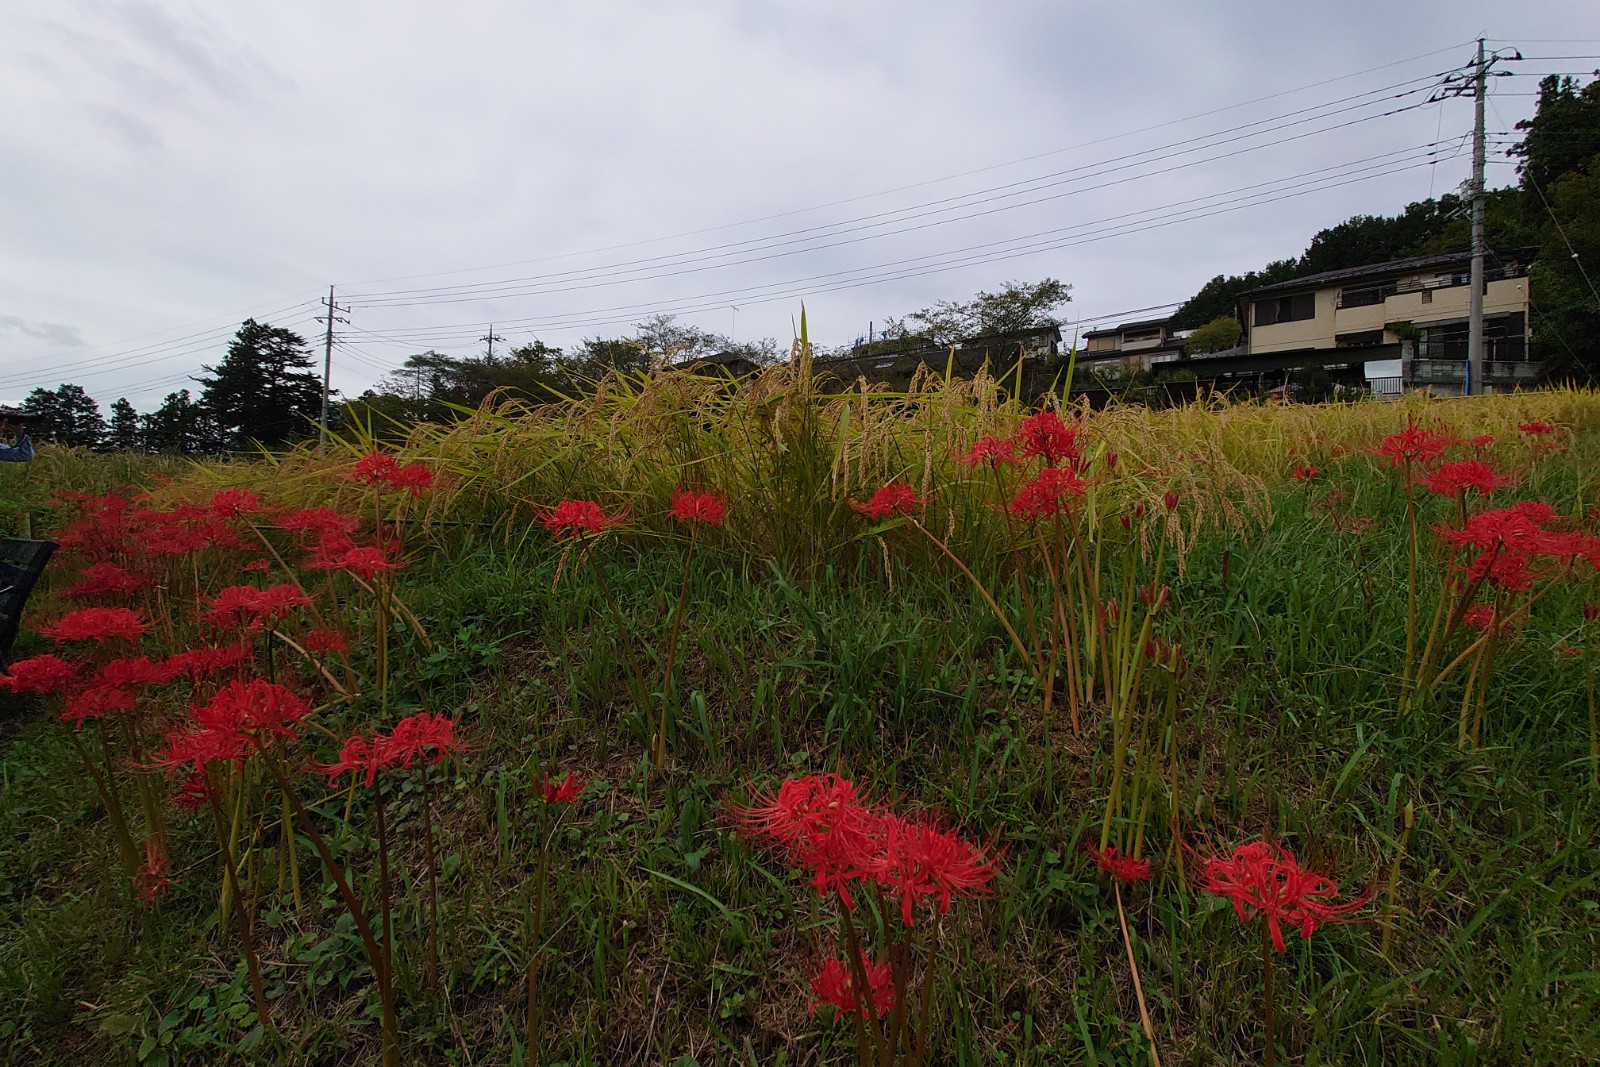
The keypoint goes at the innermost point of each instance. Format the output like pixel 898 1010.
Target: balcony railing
pixel 1367 296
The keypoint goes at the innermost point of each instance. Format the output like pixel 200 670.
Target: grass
pixel 812 647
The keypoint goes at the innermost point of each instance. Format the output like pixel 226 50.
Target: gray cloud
pixel 173 166
pixel 57 334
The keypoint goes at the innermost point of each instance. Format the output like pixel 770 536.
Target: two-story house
pixel 1410 315
pixel 1133 345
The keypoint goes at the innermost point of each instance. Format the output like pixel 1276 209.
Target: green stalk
pixel 1133 969
pixel 352 904
pixel 668 690
pixel 252 964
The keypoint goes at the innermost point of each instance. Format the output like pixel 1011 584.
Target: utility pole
pixel 491 337
pixel 1474 80
pixel 333 316
pixel 1480 89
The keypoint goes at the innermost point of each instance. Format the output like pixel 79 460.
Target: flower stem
pixel 668 690
pixel 1268 1007
pixel 1138 988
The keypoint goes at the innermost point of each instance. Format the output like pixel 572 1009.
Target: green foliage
pixel 1562 138
pixel 1219 298
pixel 1566 278
pixel 66 415
pixel 1218 335
pixel 180 426
pixel 1312 385
pixel 123 435
pixel 263 390
pixel 999 316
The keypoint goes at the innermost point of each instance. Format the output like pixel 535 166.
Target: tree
pixel 264 389
pixel 1566 277
pixel 124 435
pixel 1313 385
pixel 1218 335
pixel 1219 297
pixel 1562 137
pixel 66 414
pixel 179 426
pixel 1014 309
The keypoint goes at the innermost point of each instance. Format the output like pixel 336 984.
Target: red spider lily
pixel 367 562
pixel 1124 869
pixel 38 674
pixel 417 736
pixel 566 791
pixel 1046 435
pixel 154 875
pixel 834 985
pixel 1591 612
pixel 231 503
pixel 96 701
pixel 1536 429
pixel 1170 499
pixel 1154 595
pixel 374 468
pixel 319 521
pixel 104 579
pixel 329 551
pixel 579 518
pixel 1482 617
pixel 229 725
pixel 413 478
pixel 991 450
pixel 801 809
pixel 1304 473
pixel 252 607
pixel 1415 445
pixel 1453 478
pixel 916 860
pixel 98 624
pixel 205 660
pixel 708 508
pixel 1483 440
pixel 358 757
pixel 257 566
pixel 325 641
pixel 193 792
pixel 1264 878
pixel 140 670
pixel 1047 494
pixel 895 498
pixel 1111 461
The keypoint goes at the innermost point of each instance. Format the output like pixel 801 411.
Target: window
pixel 1427 296
pixel 1365 295
pixel 1142 335
pixel 1278 309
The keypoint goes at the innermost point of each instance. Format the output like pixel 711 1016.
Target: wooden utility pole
pixel 1480 82
pixel 333 310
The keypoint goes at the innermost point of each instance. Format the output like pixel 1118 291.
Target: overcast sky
pixel 563 169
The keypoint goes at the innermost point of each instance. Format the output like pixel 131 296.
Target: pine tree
pixel 124 436
pixel 67 415
pixel 263 391
pixel 178 426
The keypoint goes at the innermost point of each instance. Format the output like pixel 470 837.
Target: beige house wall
pixel 1315 332
pixel 1504 297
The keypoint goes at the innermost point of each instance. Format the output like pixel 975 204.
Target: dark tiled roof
pixel 1394 266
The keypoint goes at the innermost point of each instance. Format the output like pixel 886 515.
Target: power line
pixel 1146 216
pixel 514 287
pixel 903 274
pixel 931 181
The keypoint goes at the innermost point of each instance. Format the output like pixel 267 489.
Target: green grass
pixel 672 942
